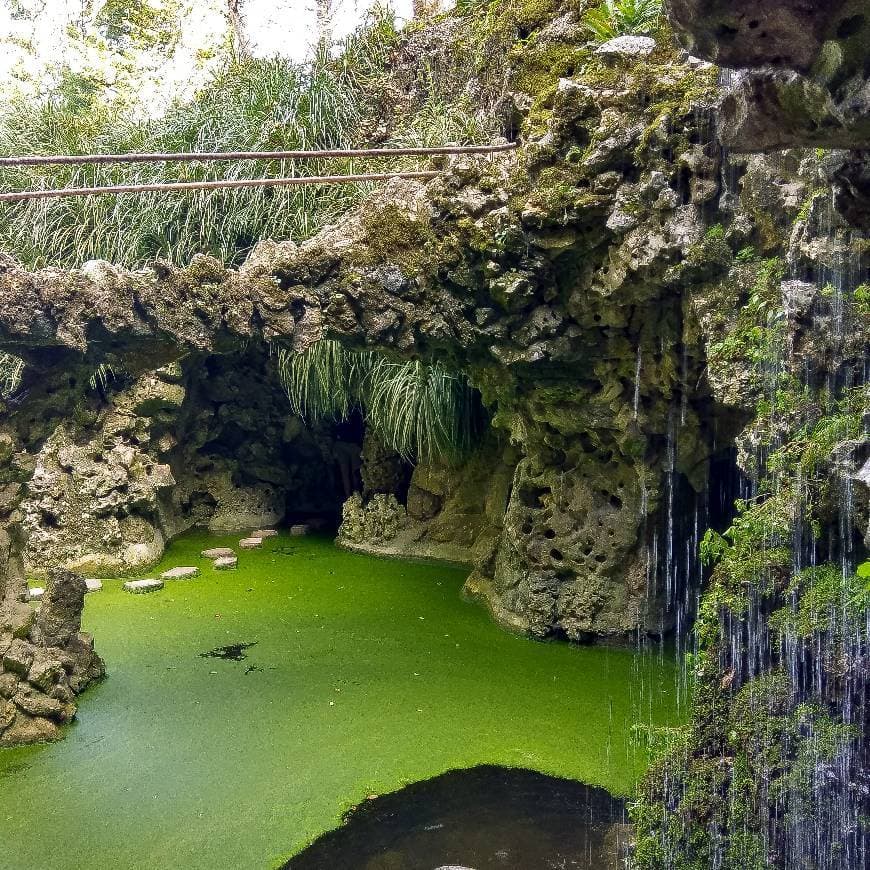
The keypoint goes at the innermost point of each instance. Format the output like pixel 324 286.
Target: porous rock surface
pixel 804 78
pixel 545 274
pixel 45 658
pixel 562 278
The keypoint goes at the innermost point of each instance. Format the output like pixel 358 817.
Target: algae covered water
pixel 246 711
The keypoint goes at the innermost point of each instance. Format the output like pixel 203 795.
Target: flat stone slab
pixel 264 533
pixel 217 553
pixel 226 563
pixel 300 529
pixel 150 584
pixel 627 46
pixel 35 594
pixel 180 573
pixel 250 543
pixel 93 585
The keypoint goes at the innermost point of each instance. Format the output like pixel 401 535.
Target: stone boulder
pixel 376 522
pixel 754 33
pixel 627 47
pixel 60 617
pixel 217 553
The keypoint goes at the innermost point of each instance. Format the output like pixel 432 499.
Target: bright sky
pixel 30 49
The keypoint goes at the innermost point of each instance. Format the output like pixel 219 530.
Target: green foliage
pixel 11 369
pixel 861 299
pixel 325 381
pixel 140 23
pixel 620 17
pixel 824 600
pixel 257 105
pixel 754 336
pixel 102 375
pixel 745 255
pixel 419 410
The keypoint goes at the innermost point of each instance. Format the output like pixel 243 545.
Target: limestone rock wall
pixel 45 658
pixel 547 275
pixel 208 443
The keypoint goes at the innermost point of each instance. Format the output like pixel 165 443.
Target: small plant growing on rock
pixel 11 369
pixel 420 410
pixel 622 17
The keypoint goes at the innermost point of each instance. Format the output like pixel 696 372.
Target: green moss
pixel 367 674
pixel 822 600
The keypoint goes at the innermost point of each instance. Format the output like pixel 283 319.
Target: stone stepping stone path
pixel 217 553
pixel 226 563
pixel 300 529
pixel 250 543
pixel 180 573
pixel 264 533
pixel 35 594
pixel 92 584
pixel 150 584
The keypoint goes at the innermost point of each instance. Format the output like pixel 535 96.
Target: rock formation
pixel 804 79
pixel 45 658
pixel 588 283
pixel 508 269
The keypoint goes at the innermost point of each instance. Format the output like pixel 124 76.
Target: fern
pixel 620 17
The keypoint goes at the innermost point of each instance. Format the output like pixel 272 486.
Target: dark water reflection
pixel 485 818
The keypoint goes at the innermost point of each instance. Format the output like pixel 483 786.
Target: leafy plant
pixel 421 410
pixel 102 375
pixel 323 382
pixel 11 369
pixel 620 17
pixel 251 104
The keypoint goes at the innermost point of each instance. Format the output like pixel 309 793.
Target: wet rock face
pixel 213 444
pixel 753 33
pixel 45 661
pixel 805 79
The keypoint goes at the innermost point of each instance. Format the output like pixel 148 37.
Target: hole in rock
pixel 851 26
pixel 533 496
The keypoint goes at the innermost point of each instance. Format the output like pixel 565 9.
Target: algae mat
pixel 361 675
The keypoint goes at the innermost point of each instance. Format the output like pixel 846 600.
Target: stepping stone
pixel 226 563
pixel 250 543
pixel 264 533
pixel 180 573
pixel 300 529
pixel 217 553
pixel 151 584
pixel 35 594
pixel 93 585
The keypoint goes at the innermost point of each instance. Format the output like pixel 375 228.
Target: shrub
pixel 621 17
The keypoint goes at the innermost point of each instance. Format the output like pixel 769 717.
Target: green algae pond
pixel 245 711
